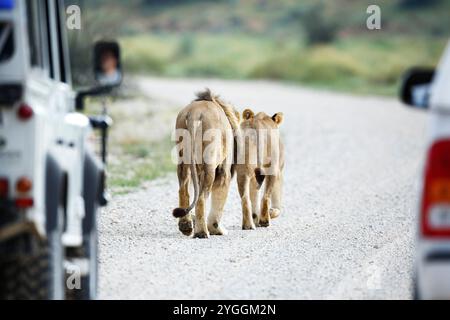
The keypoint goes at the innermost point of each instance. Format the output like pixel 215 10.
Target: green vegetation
pixel 226 56
pixel 317 43
pixel 139 162
pixel 353 64
pixel 311 42
pixel 366 65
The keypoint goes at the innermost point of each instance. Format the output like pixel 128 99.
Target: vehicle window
pixel 45 50
pixel 63 66
pixel 6 41
pixel 49 39
pixel 34 32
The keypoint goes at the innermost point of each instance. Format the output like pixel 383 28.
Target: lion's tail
pixel 193 126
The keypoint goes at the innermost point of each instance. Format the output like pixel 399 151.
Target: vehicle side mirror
pixel 107 64
pixel 416 86
pixel 107 71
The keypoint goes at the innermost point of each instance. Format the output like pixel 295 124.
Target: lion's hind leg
pixel 264 219
pixel 185 224
pixel 206 183
pixel 244 192
pixel 219 197
pixel 254 198
pixel 275 209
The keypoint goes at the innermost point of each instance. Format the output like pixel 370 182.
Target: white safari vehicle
pixel 51 182
pixel 430 89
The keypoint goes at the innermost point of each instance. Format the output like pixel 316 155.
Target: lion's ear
pixel 248 114
pixel 278 118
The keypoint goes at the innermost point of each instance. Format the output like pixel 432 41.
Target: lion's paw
pixel 201 235
pixel 217 230
pixel 249 226
pixel 186 227
pixel 274 213
pixel 264 223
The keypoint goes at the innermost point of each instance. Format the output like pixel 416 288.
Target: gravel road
pixel 347 228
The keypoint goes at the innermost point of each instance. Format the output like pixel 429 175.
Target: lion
pixel 263 164
pixel 212 175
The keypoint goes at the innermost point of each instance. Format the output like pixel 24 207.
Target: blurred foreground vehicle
pixel 429 89
pixel 51 182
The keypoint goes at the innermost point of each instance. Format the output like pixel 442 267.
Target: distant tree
pixel 186 47
pixel 318 24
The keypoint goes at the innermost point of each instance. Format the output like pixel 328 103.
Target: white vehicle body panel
pixel 55 129
pixel 440 97
pixel 433 275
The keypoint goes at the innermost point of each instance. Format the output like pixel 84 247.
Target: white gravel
pixel 347 229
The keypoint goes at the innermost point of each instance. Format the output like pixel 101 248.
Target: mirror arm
pixel 92 92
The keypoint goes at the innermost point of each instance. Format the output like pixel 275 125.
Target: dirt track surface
pixel 347 228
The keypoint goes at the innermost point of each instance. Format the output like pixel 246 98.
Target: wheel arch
pixel 56 188
pixel 93 180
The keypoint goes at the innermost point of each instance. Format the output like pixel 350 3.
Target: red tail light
pixel 4 188
pixel 435 209
pixel 24 185
pixel 25 112
pixel 24 203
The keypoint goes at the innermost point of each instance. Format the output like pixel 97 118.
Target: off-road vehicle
pixel 51 180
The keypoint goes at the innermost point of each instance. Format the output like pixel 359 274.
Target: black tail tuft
pixel 180 213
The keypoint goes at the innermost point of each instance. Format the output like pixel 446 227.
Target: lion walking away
pixel 206 161
pixel 263 166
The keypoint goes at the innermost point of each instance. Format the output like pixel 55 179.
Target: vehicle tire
pixel 35 276
pixel 38 273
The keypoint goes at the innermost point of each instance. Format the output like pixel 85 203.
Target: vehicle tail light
pixel 435 208
pixel 24 185
pixel 24 203
pixel 25 112
pixel 4 186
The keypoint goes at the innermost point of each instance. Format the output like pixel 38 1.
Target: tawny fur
pixel 207 112
pixel 232 115
pixel 252 175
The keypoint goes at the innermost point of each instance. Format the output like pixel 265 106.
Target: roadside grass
pixel 362 66
pixel 139 146
pixel 358 64
pixel 175 55
pixel 139 163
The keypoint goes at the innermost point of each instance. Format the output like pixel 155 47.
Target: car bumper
pixel 433 271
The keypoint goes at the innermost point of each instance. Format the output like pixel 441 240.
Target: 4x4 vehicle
pixel 51 181
pixel 429 89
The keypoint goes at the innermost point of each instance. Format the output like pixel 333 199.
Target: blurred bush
pixel 361 65
pixel 186 47
pixel 319 65
pixel 320 24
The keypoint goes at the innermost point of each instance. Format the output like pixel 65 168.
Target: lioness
pixel 263 163
pixel 211 125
